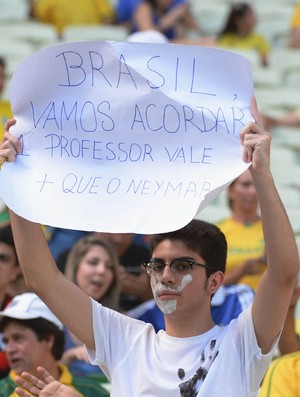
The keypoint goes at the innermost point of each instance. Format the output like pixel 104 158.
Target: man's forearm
pixel 279 237
pixel 32 249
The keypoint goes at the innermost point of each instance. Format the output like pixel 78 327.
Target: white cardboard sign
pixel 125 137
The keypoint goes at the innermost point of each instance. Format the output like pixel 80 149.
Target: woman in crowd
pixel 93 265
pixel 239 32
pixel 243 230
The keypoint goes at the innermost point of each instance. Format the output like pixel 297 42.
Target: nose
pixel 252 191
pixel 9 347
pixel 101 268
pixel 167 277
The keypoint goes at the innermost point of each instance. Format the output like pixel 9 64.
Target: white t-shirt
pixel 223 362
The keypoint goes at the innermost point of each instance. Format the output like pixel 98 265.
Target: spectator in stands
pixel 63 13
pixel 239 32
pixel 283 376
pixel 171 17
pixel 135 285
pixel 17 286
pixel 289 339
pixel 295 28
pixel 93 265
pixel 5 110
pixel 34 337
pixel 4 214
pixel 243 230
pixel 9 268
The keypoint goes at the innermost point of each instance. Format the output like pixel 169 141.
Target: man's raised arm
pixel 274 293
pixel 65 299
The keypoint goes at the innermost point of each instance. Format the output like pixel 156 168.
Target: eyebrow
pixel 14 335
pixel 181 258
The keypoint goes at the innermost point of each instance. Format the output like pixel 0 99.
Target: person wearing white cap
pixel 34 337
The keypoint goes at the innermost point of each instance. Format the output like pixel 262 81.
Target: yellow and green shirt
pixel 85 386
pixel 62 13
pixel 5 114
pixel 244 242
pixel 283 377
pixel 253 41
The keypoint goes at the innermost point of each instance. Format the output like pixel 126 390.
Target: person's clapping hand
pixel 43 386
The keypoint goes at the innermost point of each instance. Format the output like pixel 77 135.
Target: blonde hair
pixel 79 250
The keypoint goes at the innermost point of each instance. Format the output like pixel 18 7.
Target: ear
pixel 49 342
pixel 215 281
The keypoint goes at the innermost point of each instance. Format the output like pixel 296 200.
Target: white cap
pixel 148 36
pixel 29 306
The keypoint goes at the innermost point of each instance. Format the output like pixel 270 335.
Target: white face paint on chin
pixel 168 306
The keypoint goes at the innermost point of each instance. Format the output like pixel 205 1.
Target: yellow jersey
pixel 244 242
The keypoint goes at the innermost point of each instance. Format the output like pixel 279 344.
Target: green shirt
pixel 86 386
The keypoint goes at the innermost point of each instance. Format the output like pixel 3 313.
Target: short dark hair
pixel 43 330
pixel 202 237
pixel 6 237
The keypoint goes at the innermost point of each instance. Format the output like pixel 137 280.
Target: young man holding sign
pixel 193 357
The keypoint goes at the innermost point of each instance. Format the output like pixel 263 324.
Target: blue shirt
pixel 126 9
